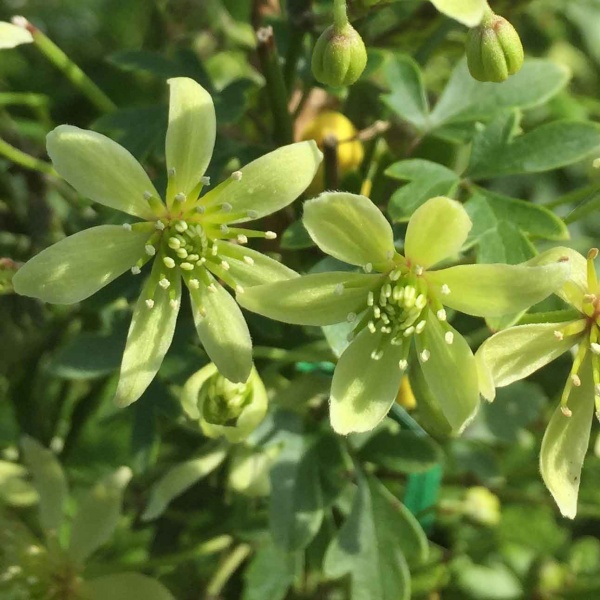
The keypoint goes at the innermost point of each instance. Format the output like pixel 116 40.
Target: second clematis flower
pixel 399 300
pixel 517 352
pixel 189 237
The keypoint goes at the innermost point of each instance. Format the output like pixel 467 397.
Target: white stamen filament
pixel 242 239
pixel 576 380
pixel 566 411
pixel 270 235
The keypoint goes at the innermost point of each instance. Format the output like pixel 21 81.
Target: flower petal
pixel 350 228
pixel 263 269
pixel 315 299
pixel 49 481
pixel 98 514
pixel 223 332
pixel 450 372
pixel 13 35
pixel 436 230
pixel 78 266
pixel 191 133
pixel 496 290
pixel 574 288
pixel 270 182
pixel 120 587
pixel 364 389
pixel 100 169
pixel 566 442
pixel 515 353
pixel 150 335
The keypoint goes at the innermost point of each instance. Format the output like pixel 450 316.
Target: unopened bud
pixel 494 49
pixel 339 57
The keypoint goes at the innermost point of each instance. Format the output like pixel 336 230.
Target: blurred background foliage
pixel 280 515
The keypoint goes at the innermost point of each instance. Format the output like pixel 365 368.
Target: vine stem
pixel 67 67
pixel 25 160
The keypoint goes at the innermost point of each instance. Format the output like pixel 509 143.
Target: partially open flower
pixel 14 34
pixel 190 238
pixel 517 352
pixel 225 408
pixel 399 300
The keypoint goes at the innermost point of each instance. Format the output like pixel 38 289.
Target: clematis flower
pixel 399 300
pixel 190 238
pixel 517 352
pixel 14 34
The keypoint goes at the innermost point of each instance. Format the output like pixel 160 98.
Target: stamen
pixel 389 254
pixel 595 347
pixel 252 214
pixel 449 337
pixel 419 270
pixel 223 228
pixel 566 411
pixel 226 207
pixel 420 326
pixel 180 197
pixel 395 275
pixel 403 364
pixel 164 283
pixel 181 252
pixel 370 299
pixel 212 288
pixel 181 226
pixel 150 303
pixel 377 354
pixel 421 301
pixel 193 257
pixel 372 327
pixel 339 289
pixel 136 270
pixel 150 250
pixel 159 225
pixel 425 354
pixel 242 239
pixel 171 172
pixel 351 317
pixel 239 289
pixel 186 266
pixel 445 290
pixel 409 331
pixel 194 284
pixel 200 210
pixel 248 260
pixel 174 243
pixel 237 175
pixel 205 180
pixel 559 335
pixel 368 267
pixel 225 265
pixel 576 380
pixel 174 304
pixel 441 315
pixel 270 235
pixel 377 312
pixel 127 226
pixel 169 262
pixel 592 280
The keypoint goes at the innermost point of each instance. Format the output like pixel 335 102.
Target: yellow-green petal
pixel 496 290
pixel 450 372
pixel 78 266
pixel 315 299
pixel 566 442
pixel 270 182
pixel 515 353
pixel 576 286
pixel 49 481
pixel 13 35
pixel 121 586
pixel 436 230
pixel 363 389
pixel 100 169
pixel 98 514
pixel 223 332
pixel 263 269
pixel 150 335
pixel 190 134
pixel 350 228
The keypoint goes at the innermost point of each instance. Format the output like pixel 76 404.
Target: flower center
pixel 222 401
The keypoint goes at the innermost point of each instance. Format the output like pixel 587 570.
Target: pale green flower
pixel 14 34
pixel 54 568
pixel 188 237
pixel 517 352
pixel 400 299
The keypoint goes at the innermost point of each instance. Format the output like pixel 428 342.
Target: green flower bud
pixel 339 57
pixel 494 49
pixel 224 408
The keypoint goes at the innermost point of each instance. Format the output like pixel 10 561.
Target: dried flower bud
pixel 494 49
pixel 339 57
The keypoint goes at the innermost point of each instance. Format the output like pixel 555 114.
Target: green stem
pixel 275 84
pixel 340 14
pixel 227 568
pixel 331 162
pixel 70 70
pixel 25 160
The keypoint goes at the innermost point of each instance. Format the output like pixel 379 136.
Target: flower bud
pixel 224 408
pixel 249 470
pixel 494 49
pixel 482 506
pixel 339 56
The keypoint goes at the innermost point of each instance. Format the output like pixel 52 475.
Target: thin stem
pixel 340 14
pixel 331 162
pixel 227 568
pixel 70 70
pixel 25 160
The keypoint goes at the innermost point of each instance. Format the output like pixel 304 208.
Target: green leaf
pixel 407 97
pixel 403 451
pixel 546 148
pixel 181 477
pixel 296 501
pixel 427 179
pixel 149 337
pixel 371 545
pixel 50 482
pixel 350 228
pixel 98 514
pixel 119 587
pixel 465 99
pixel 78 266
pixel 467 12
pixel 270 573
pixel 488 210
pixel 566 442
